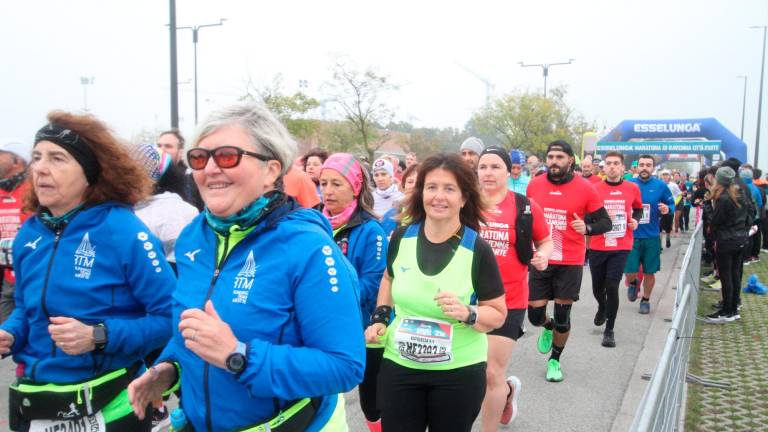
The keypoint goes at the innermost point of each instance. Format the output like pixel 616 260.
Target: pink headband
pixel 348 166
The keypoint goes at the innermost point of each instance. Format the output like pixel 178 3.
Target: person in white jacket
pixel 385 194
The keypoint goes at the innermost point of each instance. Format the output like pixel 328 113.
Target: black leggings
pixel 607 268
pixel 685 218
pixel 367 388
pixel 729 266
pixel 444 401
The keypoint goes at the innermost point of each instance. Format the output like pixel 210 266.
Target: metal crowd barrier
pixel 662 403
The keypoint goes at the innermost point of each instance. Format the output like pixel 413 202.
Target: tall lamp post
pixel 760 98
pixel 545 69
pixel 743 105
pixel 85 82
pixel 195 30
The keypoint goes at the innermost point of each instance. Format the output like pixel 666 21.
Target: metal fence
pixel 661 406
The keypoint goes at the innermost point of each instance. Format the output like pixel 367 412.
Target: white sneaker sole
pixel 517 385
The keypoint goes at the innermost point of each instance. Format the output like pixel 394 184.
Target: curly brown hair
pixel 121 178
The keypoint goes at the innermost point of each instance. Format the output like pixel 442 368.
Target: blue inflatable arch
pixel 706 128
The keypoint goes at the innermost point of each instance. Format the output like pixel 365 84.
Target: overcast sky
pixel 633 60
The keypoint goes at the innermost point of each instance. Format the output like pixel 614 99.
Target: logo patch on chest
pixel 85 255
pixel 241 288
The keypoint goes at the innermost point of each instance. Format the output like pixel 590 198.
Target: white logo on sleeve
pixel 85 255
pixel 191 254
pixel 33 244
pixel 244 280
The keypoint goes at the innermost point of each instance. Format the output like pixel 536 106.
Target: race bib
pixel 94 423
pixel 646 214
pixel 619 226
pixel 424 340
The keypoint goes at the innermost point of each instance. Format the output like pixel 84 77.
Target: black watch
pixel 472 318
pixel 237 360
pixel 100 336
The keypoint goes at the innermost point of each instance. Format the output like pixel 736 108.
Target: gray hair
pixel 266 131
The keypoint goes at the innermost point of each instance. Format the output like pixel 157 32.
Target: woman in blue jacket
pixel 266 307
pixel 93 286
pixel 349 207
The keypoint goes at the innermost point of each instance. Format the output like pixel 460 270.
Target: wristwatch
pixel 100 336
pixel 237 360
pixel 472 318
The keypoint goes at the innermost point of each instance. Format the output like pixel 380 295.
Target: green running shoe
pixel 545 340
pixel 554 374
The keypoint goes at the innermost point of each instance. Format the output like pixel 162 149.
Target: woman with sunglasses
pixel 349 208
pixel 443 283
pixel 266 311
pixel 93 286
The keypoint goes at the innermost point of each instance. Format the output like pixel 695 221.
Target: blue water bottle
pixel 178 421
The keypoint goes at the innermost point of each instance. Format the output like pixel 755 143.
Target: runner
pixel 508 215
pixel 444 285
pixel 608 252
pixel 572 209
pixel 470 151
pixel 646 247
pixel 349 208
pixel 517 181
pixel 667 220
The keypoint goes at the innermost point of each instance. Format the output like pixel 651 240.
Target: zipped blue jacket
pixel 288 293
pixel 758 200
pixel 104 266
pixel 654 191
pixel 366 248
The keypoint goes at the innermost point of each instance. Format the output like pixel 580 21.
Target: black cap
pixel 500 152
pixel 560 145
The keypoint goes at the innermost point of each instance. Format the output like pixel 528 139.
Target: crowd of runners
pixel 260 285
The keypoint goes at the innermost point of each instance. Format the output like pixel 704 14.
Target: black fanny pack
pixel 33 401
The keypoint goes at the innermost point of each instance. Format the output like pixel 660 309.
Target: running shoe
pixel 708 279
pixel 608 339
pixel 600 316
pixel 510 408
pixel 554 374
pixel 716 285
pixel 545 340
pixel 718 317
pixel 645 308
pixel 734 316
pixel 632 291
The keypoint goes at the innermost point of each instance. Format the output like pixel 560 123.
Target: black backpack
pixel 523 229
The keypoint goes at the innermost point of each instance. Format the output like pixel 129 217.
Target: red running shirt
pixel 559 203
pixel 618 200
pixel 499 233
pixel 594 179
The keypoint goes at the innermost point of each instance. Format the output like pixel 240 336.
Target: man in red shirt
pixel 587 170
pixel 14 155
pixel 573 210
pixel 608 252
pixel 503 221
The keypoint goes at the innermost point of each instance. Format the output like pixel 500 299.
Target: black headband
pixel 74 145
pixel 500 152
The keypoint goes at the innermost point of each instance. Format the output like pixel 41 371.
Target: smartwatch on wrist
pixel 100 336
pixel 472 318
pixel 237 360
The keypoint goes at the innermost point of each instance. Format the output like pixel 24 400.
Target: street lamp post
pixel 85 82
pixel 760 98
pixel 545 69
pixel 743 105
pixel 195 30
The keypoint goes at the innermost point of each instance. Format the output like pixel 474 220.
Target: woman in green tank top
pixel 443 283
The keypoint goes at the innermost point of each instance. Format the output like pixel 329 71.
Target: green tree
pixel 291 109
pixel 529 121
pixel 358 95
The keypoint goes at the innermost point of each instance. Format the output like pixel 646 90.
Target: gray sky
pixel 634 60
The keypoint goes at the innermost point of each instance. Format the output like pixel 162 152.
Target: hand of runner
pixel 71 336
pixel 663 208
pixel 374 333
pixel 451 305
pixel 207 335
pixel 150 387
pixel 578 224
pixel 539 261
pixel 6 342
pixel 633 224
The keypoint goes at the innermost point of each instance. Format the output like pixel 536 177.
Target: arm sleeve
pixel 151 282
pixel 332 359
pixel 486 278
pixel 599 221
pixel 540 226
pixel 370 262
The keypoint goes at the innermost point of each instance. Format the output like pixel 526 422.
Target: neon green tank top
pixel 420 336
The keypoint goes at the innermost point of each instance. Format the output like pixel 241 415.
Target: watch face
pixel 236 362
pixel 99 335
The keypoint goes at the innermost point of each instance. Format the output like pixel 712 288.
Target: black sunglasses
pixel 224 157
